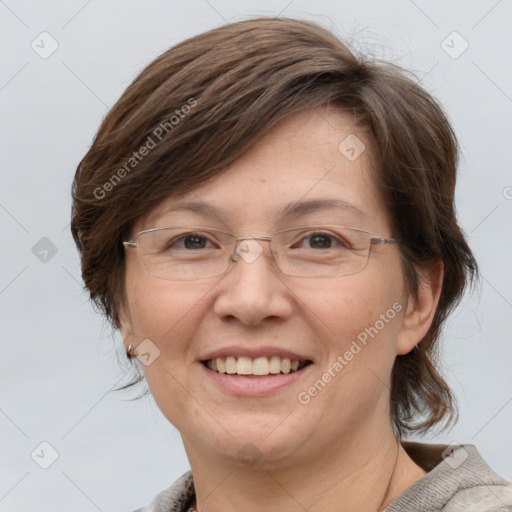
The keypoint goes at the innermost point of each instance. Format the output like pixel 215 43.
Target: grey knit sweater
pixel 457 480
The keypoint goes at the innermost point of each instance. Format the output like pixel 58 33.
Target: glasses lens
pixel 324 251
pixel 187 253
pixel 184 253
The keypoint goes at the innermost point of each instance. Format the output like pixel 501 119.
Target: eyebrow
pixel 295 209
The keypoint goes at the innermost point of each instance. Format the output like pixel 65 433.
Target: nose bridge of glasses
pixel 248 248
pixel 242 238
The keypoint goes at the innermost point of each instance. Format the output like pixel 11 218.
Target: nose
pixel 253 290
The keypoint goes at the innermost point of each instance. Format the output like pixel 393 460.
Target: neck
pixel 360 473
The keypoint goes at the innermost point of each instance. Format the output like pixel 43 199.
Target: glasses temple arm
pixel 376 240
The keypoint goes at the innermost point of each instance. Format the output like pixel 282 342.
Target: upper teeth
pixel 257 366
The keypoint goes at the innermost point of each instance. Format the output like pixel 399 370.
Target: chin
pixel 259 444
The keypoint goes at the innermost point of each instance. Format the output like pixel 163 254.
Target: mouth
pixel 264 366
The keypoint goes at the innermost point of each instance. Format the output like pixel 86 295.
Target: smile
pixel 258 366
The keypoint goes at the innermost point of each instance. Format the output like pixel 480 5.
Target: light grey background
pixel 58 359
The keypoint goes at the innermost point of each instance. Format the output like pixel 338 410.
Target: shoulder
pixel 173 499
pixel 458 479
pixel 488 498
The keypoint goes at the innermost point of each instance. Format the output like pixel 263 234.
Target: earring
pixel 129 348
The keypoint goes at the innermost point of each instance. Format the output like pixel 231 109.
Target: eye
pixel 193 241
pixel 322 240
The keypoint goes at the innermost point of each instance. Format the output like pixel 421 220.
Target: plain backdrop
pixel 63 65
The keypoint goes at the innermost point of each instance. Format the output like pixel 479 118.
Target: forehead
pixel 314 164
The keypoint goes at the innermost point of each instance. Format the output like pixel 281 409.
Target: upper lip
pixel 237 351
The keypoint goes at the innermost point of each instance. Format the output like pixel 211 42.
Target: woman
pixel 269 220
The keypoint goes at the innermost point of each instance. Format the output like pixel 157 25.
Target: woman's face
pixel 349 328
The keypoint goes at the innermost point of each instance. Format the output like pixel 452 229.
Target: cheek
pixel 344 308
pixel 166 312
pixel 363 318
pixel 363 315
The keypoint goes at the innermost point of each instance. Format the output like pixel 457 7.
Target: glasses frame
pixel 132 244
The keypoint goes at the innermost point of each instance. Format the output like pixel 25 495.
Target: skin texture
pixel 339 449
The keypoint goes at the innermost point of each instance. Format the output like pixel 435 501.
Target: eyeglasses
pixel 196 252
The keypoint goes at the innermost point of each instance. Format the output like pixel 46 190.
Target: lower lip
pixel 240 385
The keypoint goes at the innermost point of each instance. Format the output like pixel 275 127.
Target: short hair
pixel 203 103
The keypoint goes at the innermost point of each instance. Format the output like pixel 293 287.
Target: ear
pixel 420 310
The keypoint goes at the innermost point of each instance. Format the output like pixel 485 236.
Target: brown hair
pixel 203 103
